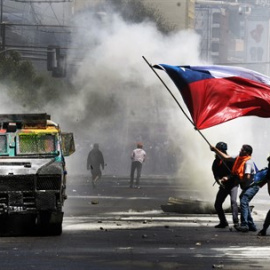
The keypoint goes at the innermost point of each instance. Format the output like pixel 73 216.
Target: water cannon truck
pixel 32 173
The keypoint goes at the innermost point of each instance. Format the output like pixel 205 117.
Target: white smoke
pixel 119 101
pixel 7 103
pixel 112 68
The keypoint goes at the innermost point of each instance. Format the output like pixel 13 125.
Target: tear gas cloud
pixel 118 101
pixel 139 108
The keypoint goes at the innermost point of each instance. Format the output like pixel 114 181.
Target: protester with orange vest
pixel 243 171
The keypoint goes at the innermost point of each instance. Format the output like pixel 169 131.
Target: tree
pixel 23 83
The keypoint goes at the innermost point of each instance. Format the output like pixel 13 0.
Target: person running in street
pixel 227 186
pixel 138 156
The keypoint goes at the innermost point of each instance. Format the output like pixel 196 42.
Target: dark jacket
pixel 221 169
pixel 95 159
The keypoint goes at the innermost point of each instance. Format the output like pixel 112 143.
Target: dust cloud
pixel 118 101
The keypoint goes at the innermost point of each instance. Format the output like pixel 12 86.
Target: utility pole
pixel 1 15
pixel 2 28
pixel 3 33
pixel 1 11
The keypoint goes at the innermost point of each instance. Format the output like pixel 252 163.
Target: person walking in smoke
pixel 227 186
pixel 138 156
pixel 95 162
pixel 243 170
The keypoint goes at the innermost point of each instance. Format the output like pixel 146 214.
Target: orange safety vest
pixel 238 166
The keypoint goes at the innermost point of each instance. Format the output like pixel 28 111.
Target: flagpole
pixel 179 105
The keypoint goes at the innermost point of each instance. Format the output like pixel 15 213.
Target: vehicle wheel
pixel 55 229
pixel 47 228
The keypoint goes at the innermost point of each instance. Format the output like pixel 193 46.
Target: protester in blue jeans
pixel 243 171
pixel 259 180
pixel 247 223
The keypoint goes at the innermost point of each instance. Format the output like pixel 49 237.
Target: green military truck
pixel 32 173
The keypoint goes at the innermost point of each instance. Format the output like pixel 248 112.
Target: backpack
pixel 260 176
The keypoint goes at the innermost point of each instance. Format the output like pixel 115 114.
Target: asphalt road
pixel 115 227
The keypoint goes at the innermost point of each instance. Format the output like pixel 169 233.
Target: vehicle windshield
pixel 32 144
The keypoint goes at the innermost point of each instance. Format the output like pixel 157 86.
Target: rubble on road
pixel 190 206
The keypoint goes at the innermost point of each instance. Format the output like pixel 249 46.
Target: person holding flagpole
pixel 243 171
pixel 227 186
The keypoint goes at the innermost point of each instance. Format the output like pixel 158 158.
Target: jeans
pixel 135 165
pixel 245 197
pixel 220 198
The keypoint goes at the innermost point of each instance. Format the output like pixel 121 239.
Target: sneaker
pixel 222 225
pixel 242 228
pixel 262 233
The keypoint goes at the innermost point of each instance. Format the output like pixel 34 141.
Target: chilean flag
pixel 216 94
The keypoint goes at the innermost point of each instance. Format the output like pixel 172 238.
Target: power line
pixel 42 1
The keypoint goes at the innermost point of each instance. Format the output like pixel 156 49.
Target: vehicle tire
pixel 55 229
pixel 47 228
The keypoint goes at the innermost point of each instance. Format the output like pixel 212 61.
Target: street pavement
pixel 127 229
pixel 114 227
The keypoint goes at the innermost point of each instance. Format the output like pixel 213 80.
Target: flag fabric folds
pixel 217 94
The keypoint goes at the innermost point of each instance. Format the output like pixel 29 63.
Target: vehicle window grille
pixel 49 183
pixel 17 183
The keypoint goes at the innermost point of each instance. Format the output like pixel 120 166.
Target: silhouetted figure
pixel 227 186
pixel 95 162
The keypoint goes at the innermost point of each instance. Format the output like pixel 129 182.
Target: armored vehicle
pixel 32 173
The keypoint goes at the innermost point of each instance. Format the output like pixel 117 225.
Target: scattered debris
pixel 190 206
pixel 218 266
pixel 94 202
